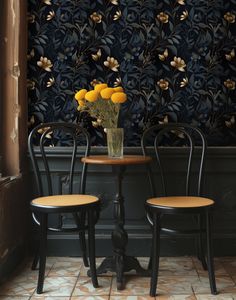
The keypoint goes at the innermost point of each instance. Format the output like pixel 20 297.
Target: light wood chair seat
pixel 180 202
pixel 64 200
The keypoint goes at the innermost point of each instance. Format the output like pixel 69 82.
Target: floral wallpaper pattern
pixel 175 60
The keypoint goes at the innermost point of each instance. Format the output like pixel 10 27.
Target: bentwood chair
pixel 84 209
pixel 189 203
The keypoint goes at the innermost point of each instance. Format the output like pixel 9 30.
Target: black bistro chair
pixel 83 208
pixel 191 203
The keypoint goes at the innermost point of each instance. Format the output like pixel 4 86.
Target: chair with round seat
pixel 52 201
pixel 191 203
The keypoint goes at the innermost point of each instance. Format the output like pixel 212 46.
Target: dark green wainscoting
pixel 219 184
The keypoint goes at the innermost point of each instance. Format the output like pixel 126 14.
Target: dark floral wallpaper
pixel 174 58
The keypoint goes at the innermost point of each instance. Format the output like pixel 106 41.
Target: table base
pixel 112 264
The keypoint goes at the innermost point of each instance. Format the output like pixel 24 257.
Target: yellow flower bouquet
pixel 102 103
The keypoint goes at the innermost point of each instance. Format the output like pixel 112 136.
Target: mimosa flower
pixel 118 89
pixel 181 2
pixel 45 64
pixel 103 104
pixel 97 18
pixel 80 94
pixel 91 96
pixel 106 93
pixel 111 63
pixel 51 15
pixel 115 2
pixel 99 87
pixel 162 17
pixel 163 84
pixel 230 84
pixel 229 17
pixel 118 97
pixel 81 103
pixel 184 15
pixel 178 63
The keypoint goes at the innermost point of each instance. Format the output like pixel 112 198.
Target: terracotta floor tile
pixel 224 284
pixel 216 297
pixel 65 268
pixel 14 297
pixel 49 298
pixel 219 268
pixel 84 287
pixel 134 285
pixel 58 286
pixel 89 298
pixel 176 297
pixel 176 285
pixel 131 298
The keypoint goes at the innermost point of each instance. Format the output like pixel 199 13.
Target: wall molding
pixel 219 184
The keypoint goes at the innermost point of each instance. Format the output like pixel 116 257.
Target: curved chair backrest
pixel 167 135
pixel 49 134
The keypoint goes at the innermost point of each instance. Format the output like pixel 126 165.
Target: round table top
pixel 125 160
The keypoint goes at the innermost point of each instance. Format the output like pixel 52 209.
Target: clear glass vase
pixel 115 139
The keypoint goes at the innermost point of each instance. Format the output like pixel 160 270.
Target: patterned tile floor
pixel 180 278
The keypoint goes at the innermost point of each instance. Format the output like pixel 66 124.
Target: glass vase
pixel 115 138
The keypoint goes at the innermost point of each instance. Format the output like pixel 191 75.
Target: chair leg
pixel 155 254
pixel 82 241
pixel 42 252
pixel 201 252
pixel 91 243
pixel 210 262
pixel 35 260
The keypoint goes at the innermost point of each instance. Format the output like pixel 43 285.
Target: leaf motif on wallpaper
pixel 137 34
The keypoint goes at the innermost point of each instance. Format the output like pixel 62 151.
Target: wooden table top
pixel 126 160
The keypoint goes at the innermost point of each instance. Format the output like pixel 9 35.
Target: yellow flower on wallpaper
pixel 184 82
pixel 181 2
pixel 48 2
pixel 163 56
pixel 162 17
pixel 184 15
pixel 45 64
pixel 50 82
pixel 51 15
pixel 231 55
pixel 102 103
pixel 163 84
pixel 111 63
pixel 95 82
pixel 117 15
pixel 97 55
pixel 96 17
pixel 115 2
pixel 229 17
pixel 230 84
pixel 178 63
